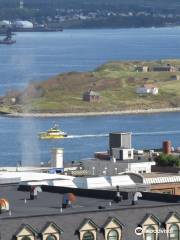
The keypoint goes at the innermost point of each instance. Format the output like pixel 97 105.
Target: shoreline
pixel 86 114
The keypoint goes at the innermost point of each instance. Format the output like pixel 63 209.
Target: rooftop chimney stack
pixel 118 197
pixel 167 147
pixel 57 158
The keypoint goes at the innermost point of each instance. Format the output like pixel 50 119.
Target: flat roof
pixel 50 203
pixel 159 174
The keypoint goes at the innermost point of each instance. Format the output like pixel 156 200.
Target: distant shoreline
pixel 86 114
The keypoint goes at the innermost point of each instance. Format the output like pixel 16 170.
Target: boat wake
pixel 158 133
pixel 134 134
pixel 88 136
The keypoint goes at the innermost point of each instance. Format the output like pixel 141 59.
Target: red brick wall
pixel 171 188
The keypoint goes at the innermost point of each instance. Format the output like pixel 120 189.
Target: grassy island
pixel 116 83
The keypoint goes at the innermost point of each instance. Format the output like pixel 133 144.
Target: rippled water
pixel 19 141
pixel 37 56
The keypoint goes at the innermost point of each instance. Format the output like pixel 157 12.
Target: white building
pixel 147 89
pixel 142 167
pixel 23 24
pixel 5 23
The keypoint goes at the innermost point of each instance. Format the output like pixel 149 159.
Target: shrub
pixel 168 160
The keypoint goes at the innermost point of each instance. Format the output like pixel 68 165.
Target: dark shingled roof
pixel 37 213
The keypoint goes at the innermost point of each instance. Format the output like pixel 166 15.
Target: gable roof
pixel 112 219
pixel 150 216
pixel 87 221
pixel 175 214
pixel 54 225
pixel 149 86
pixel 91 93
pixel 28 227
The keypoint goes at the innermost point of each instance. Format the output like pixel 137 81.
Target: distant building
pixel 142 69
pixel 5 23
pixel 119 158
pixel 147 89
pixel 162 182
pixel 23 24
pixel 91 96
pixel 175 77
pixel 168 68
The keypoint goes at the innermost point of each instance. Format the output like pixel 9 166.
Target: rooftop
pixel 159 177
pixel 50 203
pixel 159 174
pixel 37 213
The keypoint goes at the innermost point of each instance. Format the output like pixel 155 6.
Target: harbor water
pixel 38 56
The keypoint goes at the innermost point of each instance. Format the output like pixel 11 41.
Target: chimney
pixel 118 197
pixel 167 147
pixel 57 158
pixel 34 192
pixel 68 199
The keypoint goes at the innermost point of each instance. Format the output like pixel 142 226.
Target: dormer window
pixel 26 238
pixel 112 229
pixel 87 230
pixel 88 236
pixel 25 232
pixel 113 235
pixel 172 224
pixel 174 232
pixel 150 233
pixel 51 237
pixel 150 226
pixel 51 232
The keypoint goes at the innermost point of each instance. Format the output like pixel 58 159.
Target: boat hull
pixel 47 136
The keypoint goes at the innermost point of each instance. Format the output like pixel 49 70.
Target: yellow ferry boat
pixel 53 133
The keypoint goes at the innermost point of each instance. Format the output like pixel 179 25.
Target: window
pixel 150 233
pixel 26 238
pixel 51 237
pixel 113 235
pixel 174 232
pixel 88 236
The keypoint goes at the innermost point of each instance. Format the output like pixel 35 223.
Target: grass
pixel 115 81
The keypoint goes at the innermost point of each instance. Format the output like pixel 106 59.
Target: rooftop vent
pixel 118 197
pixel 34 192
pixel 68 199
pixel 101 207
pixel 136 197
pixel 4 205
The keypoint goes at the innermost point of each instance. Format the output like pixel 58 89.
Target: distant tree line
pixel 151 5
pixel 154 12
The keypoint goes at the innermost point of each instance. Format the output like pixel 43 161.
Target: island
pixel 119 86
